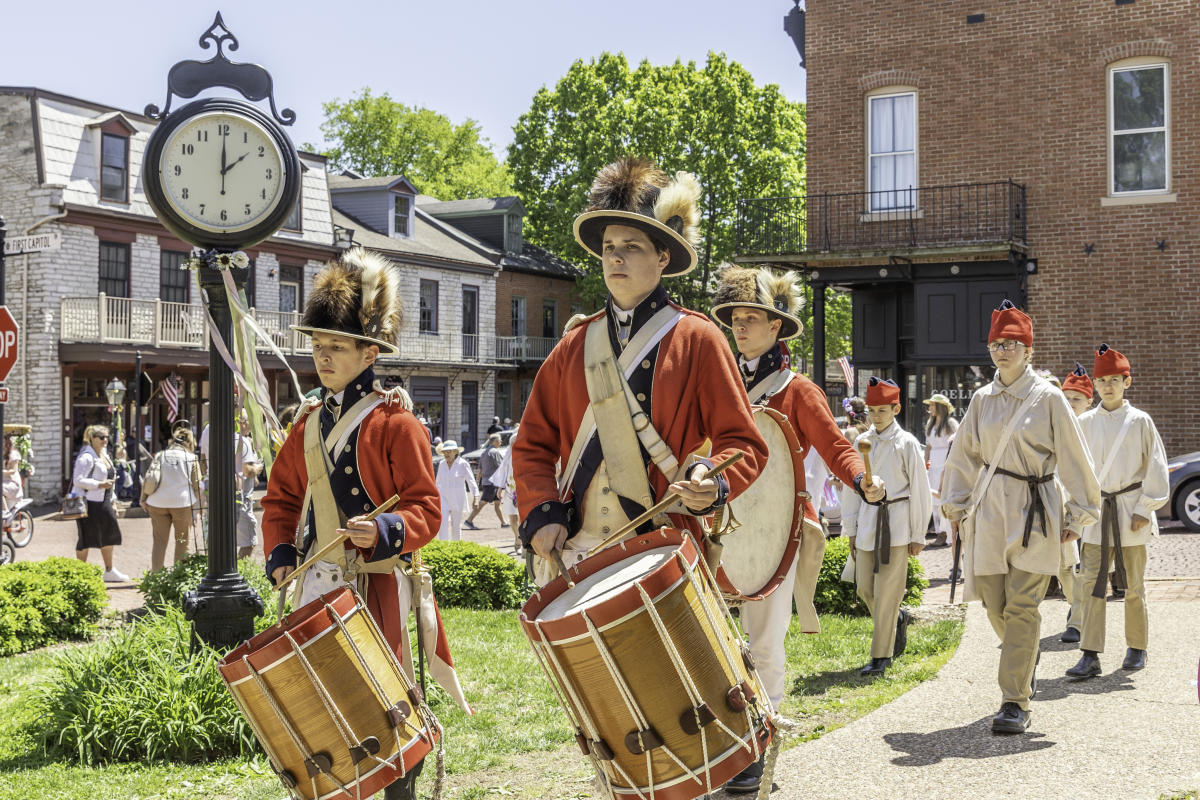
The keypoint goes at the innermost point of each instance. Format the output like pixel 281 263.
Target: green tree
pixel 740 139
pixel 376 136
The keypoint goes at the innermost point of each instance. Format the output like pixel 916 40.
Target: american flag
pixel 171 394
pixel 847 372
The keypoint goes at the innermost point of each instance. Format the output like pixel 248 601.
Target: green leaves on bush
pixel 834 596
pixel 166 587
pixel 141 696
pixel 471 575
pixel 43 602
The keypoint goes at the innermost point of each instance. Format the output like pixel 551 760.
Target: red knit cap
pixel 882 393
pixel 1078 381
pixel 1010 322
pixel 1110 362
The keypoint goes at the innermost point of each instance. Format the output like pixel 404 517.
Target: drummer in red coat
pixel 631 394
pixel 363 445
pixel 762 309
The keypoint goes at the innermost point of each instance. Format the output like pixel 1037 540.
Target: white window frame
pixel 1128 65
pixel 880 94
pixel 412 205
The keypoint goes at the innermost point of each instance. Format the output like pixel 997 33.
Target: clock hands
pixel 233 163
pixel 223 167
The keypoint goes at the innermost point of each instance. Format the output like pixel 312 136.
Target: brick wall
pixel 1023 95
pixel 535 289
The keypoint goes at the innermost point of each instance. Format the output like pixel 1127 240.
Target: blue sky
pixel 463 58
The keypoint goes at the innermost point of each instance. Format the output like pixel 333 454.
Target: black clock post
pixel 223 607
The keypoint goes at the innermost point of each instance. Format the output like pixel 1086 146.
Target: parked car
pixel 1185 491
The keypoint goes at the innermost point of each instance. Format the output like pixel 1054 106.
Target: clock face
pixel 222 172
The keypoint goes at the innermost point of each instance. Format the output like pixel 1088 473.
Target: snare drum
pixel 329 702
pixel 646 662
pixel 768 514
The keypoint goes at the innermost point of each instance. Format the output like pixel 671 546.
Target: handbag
pixel 74 506
pixel 153 476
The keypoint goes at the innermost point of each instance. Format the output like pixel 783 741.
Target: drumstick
pixel 662 505
pixel 864 447
pixel 562 569
pixel 382 508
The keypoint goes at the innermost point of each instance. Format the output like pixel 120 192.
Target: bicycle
pixel 18 522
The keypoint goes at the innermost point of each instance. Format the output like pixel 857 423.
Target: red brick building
pixel 958 154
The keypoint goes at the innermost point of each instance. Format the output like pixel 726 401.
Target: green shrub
pixel 43 602
pixel 166 587
pixel 471 575
pixel 835 596
pixel 141 695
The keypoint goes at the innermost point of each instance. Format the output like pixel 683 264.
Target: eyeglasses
pixel 103 436
pixel 1008 347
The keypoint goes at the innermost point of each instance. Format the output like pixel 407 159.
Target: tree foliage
pixel 739 138
pixel 377 136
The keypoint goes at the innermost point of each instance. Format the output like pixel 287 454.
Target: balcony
pixel 156 323
pixel 969 217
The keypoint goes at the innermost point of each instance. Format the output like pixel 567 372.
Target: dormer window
pixel 402 206
pixel 114 167
pixel 513 241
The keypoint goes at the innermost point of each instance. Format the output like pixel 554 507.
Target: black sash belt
pixel 883 532
pixel 1110 525
pixel 1036 506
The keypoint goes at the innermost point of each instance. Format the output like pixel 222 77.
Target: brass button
pixel 545 506
pixel 358 386
pixel 604 510
pixel 346 449
pixel 646 363
pixel 605 490
pixel 604 530
pixel 349 470
pixel 366 506
pixel 641 397
pixel 354 490
pixel 654 304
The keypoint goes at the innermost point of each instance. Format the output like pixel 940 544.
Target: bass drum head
pixel 767 534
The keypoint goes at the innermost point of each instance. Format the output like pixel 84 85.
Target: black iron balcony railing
pixel 959 215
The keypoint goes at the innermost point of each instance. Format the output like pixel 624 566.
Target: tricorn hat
pixel 778 295
pixel 636 193
pixel 356 296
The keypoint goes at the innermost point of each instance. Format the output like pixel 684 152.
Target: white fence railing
pixel 158 323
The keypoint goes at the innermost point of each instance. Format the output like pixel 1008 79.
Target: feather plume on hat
pixel 778 295
pixel 357 296
pixel 678 207
pixel 626 185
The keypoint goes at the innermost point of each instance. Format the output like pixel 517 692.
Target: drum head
pixel 606 582
pixel 757 553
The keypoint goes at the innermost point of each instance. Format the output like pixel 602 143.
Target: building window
pixel 114 168
pixel 173 283
pixel 401 208
pixel 504 400
pixel 114 269
pixel 291 281
pixel 549 318
pixel 892 151
pixel 1139 123
pixel 251 281
pixel 518 316
pixel 429 306
pixel 295 220
pixel 513 240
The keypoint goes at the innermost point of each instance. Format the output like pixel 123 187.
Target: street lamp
pixel 793 26
pixel 115 392
pixel 343 237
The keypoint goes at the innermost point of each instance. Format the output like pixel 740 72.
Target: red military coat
pixel 697 395
pixel 393 457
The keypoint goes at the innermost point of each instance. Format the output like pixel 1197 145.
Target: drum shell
pixel 641 657
pixel 759 508
pixel 332 658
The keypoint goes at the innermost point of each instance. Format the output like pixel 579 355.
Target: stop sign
pixel 8 343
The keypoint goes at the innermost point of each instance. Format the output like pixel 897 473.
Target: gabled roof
pixel 478 205
pixel 539 261
pixel 113 116
pixel 428 239
pixel 347 183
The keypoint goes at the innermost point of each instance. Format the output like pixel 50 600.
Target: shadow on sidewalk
pixel 821 681
pixel 974 740
pixel 1062 687
pixel 1052 644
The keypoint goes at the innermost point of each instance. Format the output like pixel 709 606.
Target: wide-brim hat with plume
pixel 778 295
pixel 357 296
pixel 635 192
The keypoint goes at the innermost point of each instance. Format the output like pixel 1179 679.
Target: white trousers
pixel 451 529
pixel 766 623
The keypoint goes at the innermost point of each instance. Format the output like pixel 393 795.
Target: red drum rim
pixel 623 603
pixel 799 511
pixel 304 624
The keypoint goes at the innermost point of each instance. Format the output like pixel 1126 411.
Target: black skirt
pixel 99 528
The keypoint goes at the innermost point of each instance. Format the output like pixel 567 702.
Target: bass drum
pixel 768 516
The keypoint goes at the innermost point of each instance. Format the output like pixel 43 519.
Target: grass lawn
pixel 516 745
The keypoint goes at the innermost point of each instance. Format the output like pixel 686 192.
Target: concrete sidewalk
pixel 1122 735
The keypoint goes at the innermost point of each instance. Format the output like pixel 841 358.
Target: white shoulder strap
pixel 1116 447
pixel 771 386
pixel 1002 445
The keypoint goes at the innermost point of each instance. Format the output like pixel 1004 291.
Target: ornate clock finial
pixel 189 78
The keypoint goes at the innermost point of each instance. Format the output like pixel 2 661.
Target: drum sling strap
pixel 1110 523
pixel 768 387
pixel 616 416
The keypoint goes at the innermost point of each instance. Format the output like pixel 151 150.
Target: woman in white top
pixel 93 477
pixel 939 432
pixel 12 472
pixel 454 480
pixel 175 498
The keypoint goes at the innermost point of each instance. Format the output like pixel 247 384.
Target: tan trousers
pixel 1137 623
pixel 882 592
pixel 1011 601
pixel 161 520
pixel 1072 588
